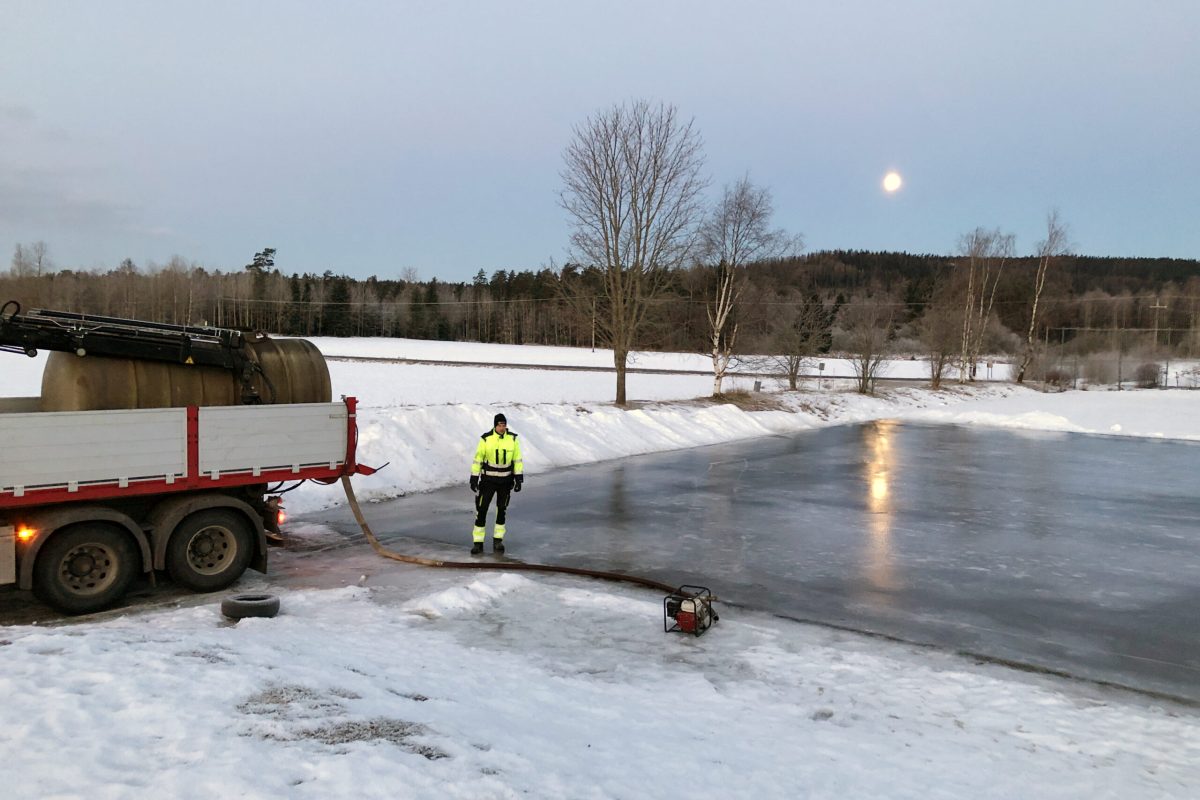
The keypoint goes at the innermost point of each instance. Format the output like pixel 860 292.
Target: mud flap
pixel 8 555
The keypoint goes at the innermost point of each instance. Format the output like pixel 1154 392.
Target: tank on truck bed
pixel 154 466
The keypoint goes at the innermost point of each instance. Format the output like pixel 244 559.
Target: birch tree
pixel 985 253
pixel 1055 244
pixel 632 183
pixel 735 234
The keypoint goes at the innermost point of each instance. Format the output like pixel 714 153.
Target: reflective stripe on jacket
pixel 498 456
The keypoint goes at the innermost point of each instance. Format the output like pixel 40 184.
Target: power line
pixel 392 302
pixel 1121 330
pixel 682 301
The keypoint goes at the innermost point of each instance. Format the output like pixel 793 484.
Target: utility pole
pixel 1119 342
pixel 1158 304
pixel 1062 349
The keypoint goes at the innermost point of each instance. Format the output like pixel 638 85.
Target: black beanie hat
pixel 498 419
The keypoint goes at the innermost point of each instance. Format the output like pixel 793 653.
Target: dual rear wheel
pixel 210 549
pixel 89 566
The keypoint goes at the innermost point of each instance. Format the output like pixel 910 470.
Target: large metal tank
pixel 295 370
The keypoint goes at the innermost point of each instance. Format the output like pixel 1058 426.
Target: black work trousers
pixel 501 490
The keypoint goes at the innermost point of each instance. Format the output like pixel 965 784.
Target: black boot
pixel 477 548
pixel 497 545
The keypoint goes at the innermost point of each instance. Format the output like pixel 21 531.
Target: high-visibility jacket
pixel 498 456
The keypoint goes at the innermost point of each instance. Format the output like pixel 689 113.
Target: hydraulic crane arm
pixel 87 335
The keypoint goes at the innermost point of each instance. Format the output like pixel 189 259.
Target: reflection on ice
pixel 879 567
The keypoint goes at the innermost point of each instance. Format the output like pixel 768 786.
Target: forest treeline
pixel 1084 297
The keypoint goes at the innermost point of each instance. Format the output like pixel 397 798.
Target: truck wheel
pixel 210 549
pixel 85 568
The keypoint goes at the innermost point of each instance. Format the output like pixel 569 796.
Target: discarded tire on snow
pixel 241 606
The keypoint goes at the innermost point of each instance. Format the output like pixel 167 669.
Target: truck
pixel 156 449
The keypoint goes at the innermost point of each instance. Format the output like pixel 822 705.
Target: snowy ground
pixel 426 684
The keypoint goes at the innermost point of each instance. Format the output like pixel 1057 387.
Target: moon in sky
pixel 892 182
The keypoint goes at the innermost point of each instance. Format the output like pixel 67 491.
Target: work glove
pixel 517 485
pixel 474 483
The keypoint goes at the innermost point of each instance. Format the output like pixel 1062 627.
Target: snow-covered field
pixel 541 355
pixel 426 684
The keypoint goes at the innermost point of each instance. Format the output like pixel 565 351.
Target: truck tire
pixel 210 549
pixel 250 605
pixel 85 568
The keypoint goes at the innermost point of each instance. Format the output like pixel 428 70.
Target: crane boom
pixel 85 334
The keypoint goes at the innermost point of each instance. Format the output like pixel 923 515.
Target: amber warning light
pixel 25 534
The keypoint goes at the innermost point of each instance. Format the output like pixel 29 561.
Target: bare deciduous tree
pixel 31 260
pixel 868 326
pixel 180 287
pixel 21 265
pixel 804 333
pixel 1055 244
pixel 986 253
pixel 632 187
pixel 939 331
pixel 41 258
pixel 736 233
pixel 128 273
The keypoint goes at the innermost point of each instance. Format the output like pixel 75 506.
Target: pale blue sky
pixel 368 138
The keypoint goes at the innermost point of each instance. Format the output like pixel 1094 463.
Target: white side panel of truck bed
pixel 237 438
pixel 78 447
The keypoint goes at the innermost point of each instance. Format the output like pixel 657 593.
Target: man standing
pixel 496 470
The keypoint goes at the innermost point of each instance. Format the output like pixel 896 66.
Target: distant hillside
pixel 854 269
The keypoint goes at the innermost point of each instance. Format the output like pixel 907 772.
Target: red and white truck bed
pixel 57 457
pixel 183 485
